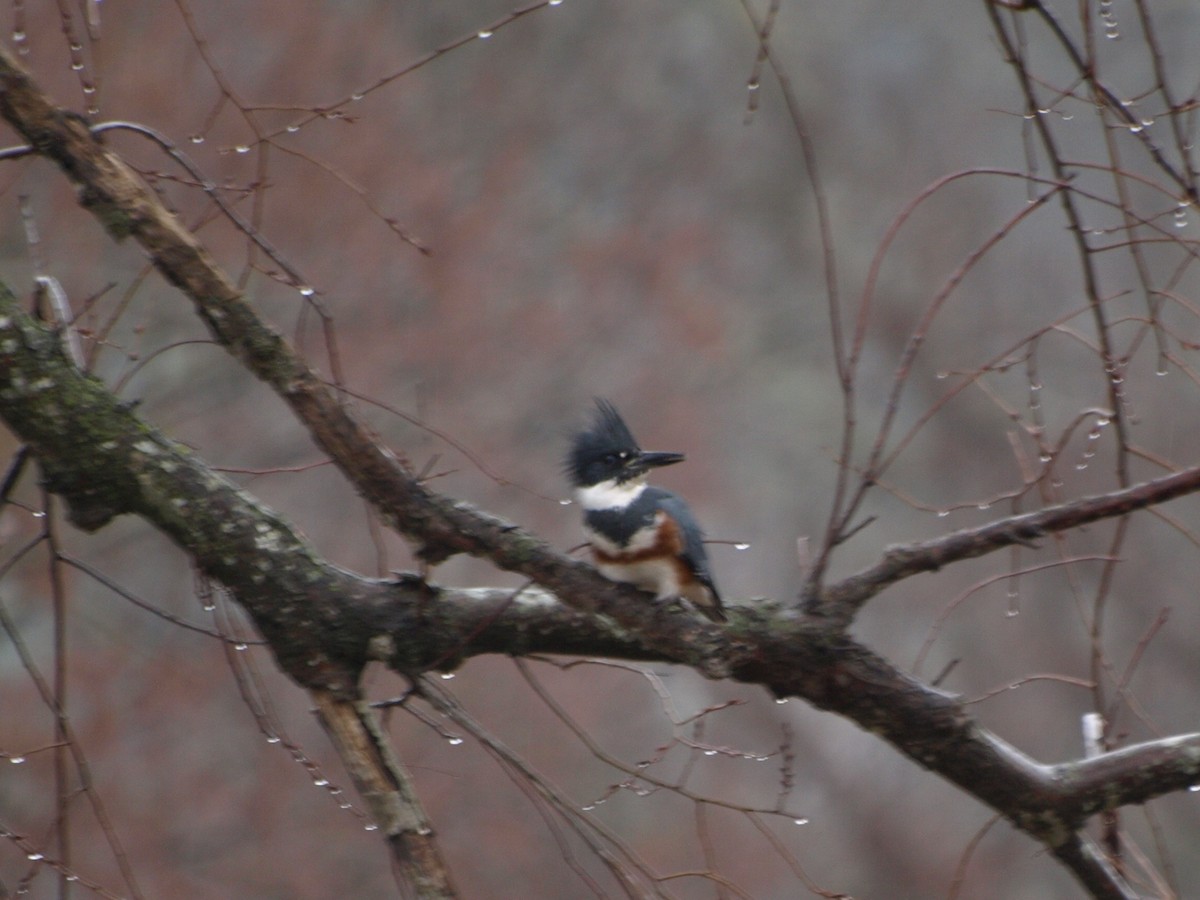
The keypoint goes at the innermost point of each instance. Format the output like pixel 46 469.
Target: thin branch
pixel 82 768
pixel 842 600
pixel 624 864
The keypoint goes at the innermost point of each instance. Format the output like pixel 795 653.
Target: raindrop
pixel 485 34
pixel 76 66
pixel 803 820
pixel 355 97
pixel 39 514
pixel 241 645
pixel 984 505
pixel 1194 788
pixel 753 86
pixel 741 545
pixel 1011 613
pixel 1045 457
pixel 273 739
pixel 710 752
pixel 1102 421
pixel 292 129
pixel 18 36
pixel 454 741
pixel 589 807
pixel 370 826
pixel 208 606
pixel 556 2
pixel 241 148
pixel 1080 466
pixel 781 700
pixel 565 502
pixel 1161 370
pixel 321 782
pixel 942 513
pixel 305 290
pixel 1137 127
pixel 36 856
pixel 1181 216
pixel 446 676
pixel 16 760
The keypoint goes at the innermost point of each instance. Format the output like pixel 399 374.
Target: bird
pixel 639 534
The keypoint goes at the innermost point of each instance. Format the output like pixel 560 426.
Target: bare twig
pixel 842 600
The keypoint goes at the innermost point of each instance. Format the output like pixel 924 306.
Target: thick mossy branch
pixel 104 461
pixel 70 422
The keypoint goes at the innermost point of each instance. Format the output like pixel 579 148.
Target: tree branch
pixel 1094 870
pixel 1134 774
pixel 841 601
pixel 324 623
pixel 381 780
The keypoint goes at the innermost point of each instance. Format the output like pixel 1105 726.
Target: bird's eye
pixel 610 459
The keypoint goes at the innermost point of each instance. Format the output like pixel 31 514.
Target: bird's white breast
pixel 658 576
pixel 655 575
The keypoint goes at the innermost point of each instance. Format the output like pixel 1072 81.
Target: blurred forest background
pixel 606 215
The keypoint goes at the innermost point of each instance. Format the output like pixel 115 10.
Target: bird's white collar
pixel 610 494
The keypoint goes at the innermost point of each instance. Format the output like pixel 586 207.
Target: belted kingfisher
pixel 640 535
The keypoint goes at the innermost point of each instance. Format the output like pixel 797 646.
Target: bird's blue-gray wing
pixel 693 537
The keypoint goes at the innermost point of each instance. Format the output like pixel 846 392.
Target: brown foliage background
pixel 604 217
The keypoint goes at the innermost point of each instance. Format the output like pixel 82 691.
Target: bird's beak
pixel 653 459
